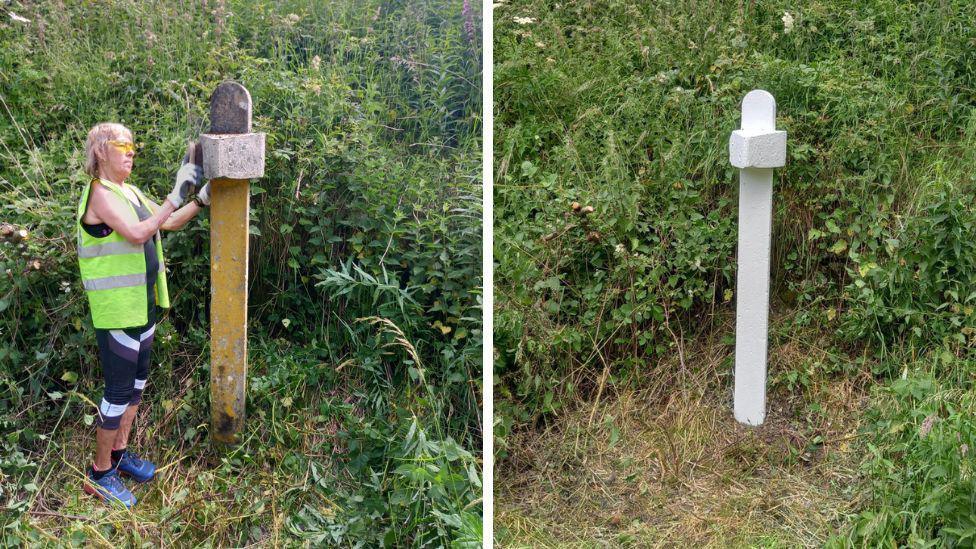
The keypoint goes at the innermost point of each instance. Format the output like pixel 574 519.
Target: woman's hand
pixel 187 179
pixel 204 194
pixel 184 214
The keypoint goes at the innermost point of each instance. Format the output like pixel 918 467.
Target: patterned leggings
pixel 125 363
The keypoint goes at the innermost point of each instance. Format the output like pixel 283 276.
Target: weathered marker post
pixel 755 149
pixel 231 156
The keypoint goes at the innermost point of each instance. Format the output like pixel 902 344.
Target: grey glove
pixel 204 195
pixel 187 179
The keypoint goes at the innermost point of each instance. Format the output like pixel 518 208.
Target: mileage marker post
pixel 232 155
pixel 755 149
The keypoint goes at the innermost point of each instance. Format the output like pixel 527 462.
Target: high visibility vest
pixel 113 270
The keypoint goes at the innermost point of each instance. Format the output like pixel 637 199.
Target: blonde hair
pixel 97 136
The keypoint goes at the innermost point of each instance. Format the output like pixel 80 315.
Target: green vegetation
pixel 615 234
pixel 363 404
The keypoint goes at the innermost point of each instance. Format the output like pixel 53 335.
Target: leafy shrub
pixel 627 107
pixel 916 280
pixel 370 207
pixel 920 467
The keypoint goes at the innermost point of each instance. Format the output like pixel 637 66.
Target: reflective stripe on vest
pixel 109 282
pixel 109 248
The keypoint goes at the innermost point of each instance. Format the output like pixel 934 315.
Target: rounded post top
pixel 230 109
pixel 759 111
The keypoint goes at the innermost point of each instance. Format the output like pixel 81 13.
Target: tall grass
pixel 358 432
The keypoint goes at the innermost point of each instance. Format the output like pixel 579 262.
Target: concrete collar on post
pixel 232 155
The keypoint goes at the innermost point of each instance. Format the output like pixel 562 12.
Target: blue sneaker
pixel 109 488
pixel 139 469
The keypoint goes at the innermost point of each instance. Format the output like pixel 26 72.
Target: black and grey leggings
pixel 125 363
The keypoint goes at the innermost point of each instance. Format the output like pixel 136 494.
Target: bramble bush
pixel 617 109
pixel 615 205
pixel 916 281
pixel 365 262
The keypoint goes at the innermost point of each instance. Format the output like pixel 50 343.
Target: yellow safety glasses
pixel 123 146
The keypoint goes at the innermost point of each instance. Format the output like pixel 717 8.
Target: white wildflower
pixel 787 22
pixel 524 20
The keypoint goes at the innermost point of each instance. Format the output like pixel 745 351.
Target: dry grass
pixel 199 495
pixel 667 465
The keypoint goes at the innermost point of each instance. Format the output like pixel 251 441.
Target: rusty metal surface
pixel 228 306
pixel 230 109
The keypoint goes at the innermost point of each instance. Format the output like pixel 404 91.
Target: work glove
pixel 187 179
pixel 204 195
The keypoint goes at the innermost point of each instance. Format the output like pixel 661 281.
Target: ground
pixel 666 464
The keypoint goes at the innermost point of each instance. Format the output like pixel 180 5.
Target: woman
pixel 120 256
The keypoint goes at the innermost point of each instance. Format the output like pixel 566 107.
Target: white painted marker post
pixel 756 149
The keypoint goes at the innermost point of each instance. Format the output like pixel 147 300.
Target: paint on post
pixel 228 306
pixel 231 156
pixel 756 149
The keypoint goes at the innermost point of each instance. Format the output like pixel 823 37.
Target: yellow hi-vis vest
pixel 113 270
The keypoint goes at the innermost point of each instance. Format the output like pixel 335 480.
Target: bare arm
pixel 179 217
pixel 105 209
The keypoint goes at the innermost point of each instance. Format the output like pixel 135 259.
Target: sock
pixel 117 455
pixel 97 475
